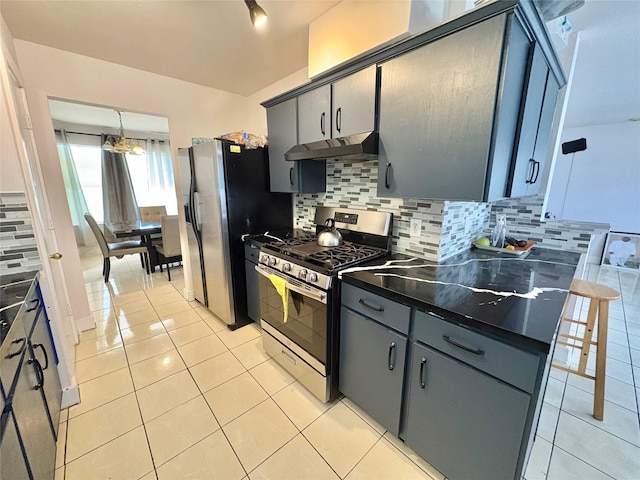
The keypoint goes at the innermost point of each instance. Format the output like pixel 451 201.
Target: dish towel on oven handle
pixel 281 287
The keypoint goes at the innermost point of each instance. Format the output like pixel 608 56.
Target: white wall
pixel 11 179
pixel 192 110
pixel 604 183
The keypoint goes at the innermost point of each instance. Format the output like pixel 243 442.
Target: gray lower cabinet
pixel 465 423
pixel 284 176
pixel 372 361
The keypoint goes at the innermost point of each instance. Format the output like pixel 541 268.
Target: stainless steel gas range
pixel 300 293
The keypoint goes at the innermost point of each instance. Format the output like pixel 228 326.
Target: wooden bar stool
pixel 599 297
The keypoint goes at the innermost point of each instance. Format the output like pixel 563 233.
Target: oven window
pixel 306 323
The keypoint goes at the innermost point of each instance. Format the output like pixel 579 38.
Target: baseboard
pixel 188 294
pixel 86 323
pixel 70 396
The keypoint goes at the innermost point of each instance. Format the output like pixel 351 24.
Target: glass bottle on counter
pixel 499 231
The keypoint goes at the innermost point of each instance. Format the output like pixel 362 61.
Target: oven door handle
pixel 314 293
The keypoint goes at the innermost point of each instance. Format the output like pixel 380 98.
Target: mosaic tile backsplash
pixel 448 227
pixel 18 250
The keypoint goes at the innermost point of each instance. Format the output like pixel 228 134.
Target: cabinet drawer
pixel 385 311
pixel 514 366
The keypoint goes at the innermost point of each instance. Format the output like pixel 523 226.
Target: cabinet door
pixel 436 115
pixel 314 115
pixel 281 123
pixel 541 149
pixel 354 103
pixel 372 360
pixel 463 422
pixel 524 163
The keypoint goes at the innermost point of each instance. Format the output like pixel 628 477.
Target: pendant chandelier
pixel 121 144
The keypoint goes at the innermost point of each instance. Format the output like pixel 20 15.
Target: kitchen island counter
pixel 518 300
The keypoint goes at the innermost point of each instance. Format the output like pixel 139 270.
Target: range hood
pixel 362 146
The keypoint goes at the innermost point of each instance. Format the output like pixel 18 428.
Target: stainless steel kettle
pixel 330 237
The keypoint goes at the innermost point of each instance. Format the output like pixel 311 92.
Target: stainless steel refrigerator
pixel 226 195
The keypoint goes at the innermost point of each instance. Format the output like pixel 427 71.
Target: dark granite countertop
pixel 260 239
pixel 518 300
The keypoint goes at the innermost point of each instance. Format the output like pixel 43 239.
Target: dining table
pixel 144 230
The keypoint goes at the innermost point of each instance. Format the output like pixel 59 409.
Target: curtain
pixel 119 199
pixel 159 164
pixel 75 196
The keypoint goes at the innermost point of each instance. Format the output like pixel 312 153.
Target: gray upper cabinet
pixel 314 115
pixel 436 115
pixel 345 107
pixel 535 127
pixel 290 177
pixel 354 103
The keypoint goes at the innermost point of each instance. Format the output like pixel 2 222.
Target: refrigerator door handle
pixel 197 206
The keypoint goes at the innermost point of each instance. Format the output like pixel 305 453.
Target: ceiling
pixel 213 43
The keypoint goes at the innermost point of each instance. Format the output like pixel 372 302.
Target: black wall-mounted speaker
pixel 574 146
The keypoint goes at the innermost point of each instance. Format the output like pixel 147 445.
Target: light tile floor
pixel 169 392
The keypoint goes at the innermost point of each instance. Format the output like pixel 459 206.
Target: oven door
pixel 307 315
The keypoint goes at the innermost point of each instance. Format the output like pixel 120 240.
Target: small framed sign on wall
pixel 622 250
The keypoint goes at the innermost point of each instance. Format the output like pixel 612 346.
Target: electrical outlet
pixel 415 227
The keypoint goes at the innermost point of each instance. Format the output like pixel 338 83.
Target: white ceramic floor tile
pixel 126 457
pixel 120 300
pixel 101 390
pixel 190 333
pixel 364 415
pixel 615 391
pixel 617 420
pixel 128 320
pixel 341 437
pixel 235 397
pixel 242 335
pixel 564 466
pixel 168 393
pixel 97 345
pixel 414 457
pixel 155 292
pixel 297 460
pixel 215 371
pixel 59 473
pixel 107 327
pixel 214 323
pixel 271 376
pixel 251 353
pixel 169 309
pixel 150 347
pixel 133 307
pixel 384 461
pixel 142 332
pixel 212 458
pixel 156 368
pixel 181 319
pixel 259 433
pixel 555 390
pixel 201 350
pixel 101 425
pixel 100 364
pixel 169 297
pixel 61 445
pixel 598 448
pixel 179 429
pixel 300 405
pixel 548 422
pixel 539 460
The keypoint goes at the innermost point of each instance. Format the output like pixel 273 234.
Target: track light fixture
pixel 257 14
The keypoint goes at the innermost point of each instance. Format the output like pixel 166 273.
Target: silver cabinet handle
pixel 423 362
pixel 392 349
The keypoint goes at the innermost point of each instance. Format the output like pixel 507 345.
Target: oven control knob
pixel 264 259
pixel 302 274
pixel 273 261
pixel 313 277
pixel 286 267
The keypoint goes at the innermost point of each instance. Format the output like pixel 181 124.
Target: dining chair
pixel 153 214
pixel 115 249
pixel 169 250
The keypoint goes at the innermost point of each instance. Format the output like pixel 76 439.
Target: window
pixel 151 175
